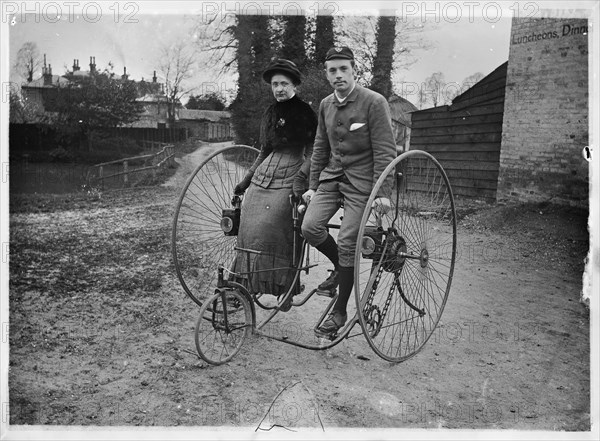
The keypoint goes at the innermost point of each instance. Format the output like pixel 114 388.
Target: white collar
pixel 341 100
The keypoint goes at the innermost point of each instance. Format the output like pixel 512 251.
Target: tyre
pixel 224 323
pixel 404 260
pixel 199 245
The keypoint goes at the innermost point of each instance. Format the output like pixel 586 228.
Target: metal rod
pixel 409 256
pixel 332 343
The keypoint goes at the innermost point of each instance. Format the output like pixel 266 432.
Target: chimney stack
pixel 92 64
pixel 154 77
pixel 124 77
pixel 47 73
pixel 75 65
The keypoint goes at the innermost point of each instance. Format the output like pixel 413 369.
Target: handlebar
pixel 236 201
pixel 298 208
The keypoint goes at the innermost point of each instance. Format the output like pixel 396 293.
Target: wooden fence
pixel 149 134
pixel 99 173
pixel 45 137
pixel 466 137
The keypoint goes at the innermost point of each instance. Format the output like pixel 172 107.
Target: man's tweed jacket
pixel 354 138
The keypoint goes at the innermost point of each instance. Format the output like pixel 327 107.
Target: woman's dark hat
pixel 283 66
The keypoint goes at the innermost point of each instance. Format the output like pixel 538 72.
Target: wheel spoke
pixel 218 340
pixel 198 243
pixel 422 225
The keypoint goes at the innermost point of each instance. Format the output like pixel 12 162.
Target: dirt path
pixel 188 163
pixel 101 333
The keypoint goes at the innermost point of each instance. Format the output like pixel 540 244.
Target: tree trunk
pixel 253 55
pixel 384 57
pixel 261 44
pixel 323 37
pixel 293 40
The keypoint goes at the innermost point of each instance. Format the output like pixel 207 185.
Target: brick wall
pixel 545 125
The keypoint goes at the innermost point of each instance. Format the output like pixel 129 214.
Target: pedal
pixel 329 336
pixel 318 332
pixel 328 293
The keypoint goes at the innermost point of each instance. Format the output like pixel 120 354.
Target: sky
pixel 463 39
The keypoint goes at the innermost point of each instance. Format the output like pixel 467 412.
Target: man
pixel 353 145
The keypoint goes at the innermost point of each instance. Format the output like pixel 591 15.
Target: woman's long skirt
pixel 266 225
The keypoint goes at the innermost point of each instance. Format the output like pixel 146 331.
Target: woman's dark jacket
pixel 287 133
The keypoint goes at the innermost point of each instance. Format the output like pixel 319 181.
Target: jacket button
pixel 341 139
pixel 341 154
pixel 339 123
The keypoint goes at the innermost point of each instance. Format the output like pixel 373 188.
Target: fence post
pixel 101 176
pixel 125 173
pixel 172 155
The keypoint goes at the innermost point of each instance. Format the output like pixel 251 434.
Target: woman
pixel 287 132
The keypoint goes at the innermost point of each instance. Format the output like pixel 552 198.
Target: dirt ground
pixel 102 334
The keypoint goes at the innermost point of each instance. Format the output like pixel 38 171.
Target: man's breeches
pixel 324 204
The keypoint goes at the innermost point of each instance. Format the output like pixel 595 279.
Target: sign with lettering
pixel 567 30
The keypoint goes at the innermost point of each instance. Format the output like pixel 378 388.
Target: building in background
pixel 42 93
pixel 545 128
pixel 465 137
pixel 401 110
pixel 520 133
pixel 207 125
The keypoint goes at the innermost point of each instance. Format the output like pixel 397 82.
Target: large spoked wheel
pixel 198 243
pixel 405 258
pixel 224 323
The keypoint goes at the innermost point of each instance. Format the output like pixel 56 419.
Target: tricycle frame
pixel 400 292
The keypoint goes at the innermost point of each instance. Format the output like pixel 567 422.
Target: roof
pixel 152 98
pixel 80 73
pixel 56 80
pixel 489 88
pixel 401 109
pixel 144 123
pixel 204 115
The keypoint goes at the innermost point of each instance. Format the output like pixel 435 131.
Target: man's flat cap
pixel 343 53
pixel 281 65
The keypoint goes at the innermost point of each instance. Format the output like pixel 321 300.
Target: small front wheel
pixel 225 322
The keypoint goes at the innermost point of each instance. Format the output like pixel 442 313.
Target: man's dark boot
pixel 330 250
pixel 334 322
pixel 331 282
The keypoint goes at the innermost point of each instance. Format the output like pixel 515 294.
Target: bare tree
pixel 410 40
pixel 28 61
pixel 176 66
pixel 422 98
pixel 452 90
pixel 216 42
pixel 471 80
pixel 23 111
pixel 359 33
pixel 434 86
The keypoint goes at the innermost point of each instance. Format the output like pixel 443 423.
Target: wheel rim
pixel 218 339
pixel 402 288
pixel 198 243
